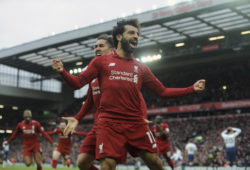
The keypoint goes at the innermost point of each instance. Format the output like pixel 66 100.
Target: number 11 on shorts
pixel 151 137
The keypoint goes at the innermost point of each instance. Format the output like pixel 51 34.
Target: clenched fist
pixel 57 65
pixel 199 85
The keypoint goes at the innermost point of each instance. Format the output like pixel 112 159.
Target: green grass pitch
pixel 20 167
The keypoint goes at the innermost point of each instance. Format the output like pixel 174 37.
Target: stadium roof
pixel 186 21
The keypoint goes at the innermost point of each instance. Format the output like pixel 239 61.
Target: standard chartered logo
pixel 123 75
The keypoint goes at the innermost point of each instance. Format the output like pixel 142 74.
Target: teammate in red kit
pixel 64 145
pixel 31 145
pixel 161 132
pixel 103 46
pixel 121 119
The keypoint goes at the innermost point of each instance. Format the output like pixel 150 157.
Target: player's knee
pixel 153 161
pixel 28 163
pixel 108 164
pixel 84 161
pixel 83 164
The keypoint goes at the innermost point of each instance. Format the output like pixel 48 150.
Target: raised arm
pixel 13 136
pixel 153 84
pixel 76 82
pixel 237 131
pixel 224 133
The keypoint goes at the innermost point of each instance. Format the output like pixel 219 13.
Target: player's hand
pixel 57 65
pixel 72 123
pixel 148 121
pixel 199 85
pixel 55 144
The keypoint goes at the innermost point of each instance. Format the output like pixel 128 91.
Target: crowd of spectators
pixel 223 83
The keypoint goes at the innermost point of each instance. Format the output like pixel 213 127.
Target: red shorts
pixel 89 143
pixel 113 137
pixel 133 151
pixel 30 149
pixel 163 148
pixel 63 150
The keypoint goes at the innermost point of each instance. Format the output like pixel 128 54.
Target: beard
pixel 126 46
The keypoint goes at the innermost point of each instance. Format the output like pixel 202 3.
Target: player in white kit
pixel 177 157
pixel 6 149
pixel 229 136
pixel 191 149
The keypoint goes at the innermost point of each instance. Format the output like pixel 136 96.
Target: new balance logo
pixel 111 64
pixel 154 146
pixel 101 148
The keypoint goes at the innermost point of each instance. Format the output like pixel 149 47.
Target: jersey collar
pixel 127 58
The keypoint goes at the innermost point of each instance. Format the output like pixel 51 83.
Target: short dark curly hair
pixel 108 39
pixel 119 28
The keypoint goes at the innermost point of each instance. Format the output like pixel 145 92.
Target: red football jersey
pixel 93 99
pixel 159 138
pixel 29 132
pixel 120 81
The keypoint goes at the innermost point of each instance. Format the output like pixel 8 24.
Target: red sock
pixel 54 164
pixel 39 167
pixel 171 163
pixel 68 163
pixel 93 168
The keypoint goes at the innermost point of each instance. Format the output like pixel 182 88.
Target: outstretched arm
pixel 52 132
pixel 153 84
pixel 80 133
pixel 76 82
pixel 13 136
pixel 40 129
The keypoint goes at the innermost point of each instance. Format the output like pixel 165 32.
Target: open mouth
pixel 98 53
pixel 133 43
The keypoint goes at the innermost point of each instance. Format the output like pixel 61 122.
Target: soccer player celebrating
pixel 161 132
pixel 104 45
pixel 121 119
pixel 64 144
pixel 29 129
pixel 6 149
pixel 229 136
